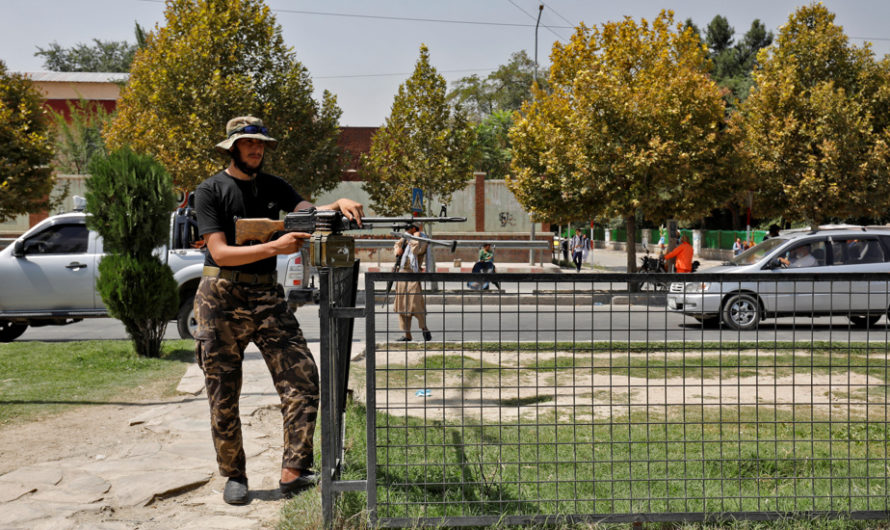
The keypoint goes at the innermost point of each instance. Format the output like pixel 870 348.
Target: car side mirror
pixel 774 264
pixel 18 249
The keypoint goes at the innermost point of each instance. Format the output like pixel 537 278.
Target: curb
pixel 496 299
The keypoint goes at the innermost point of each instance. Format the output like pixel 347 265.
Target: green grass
pixel 657 459
pixel 38 378
pixel 779 347
pixel 440 469
pixel 431 369
pixel 714 364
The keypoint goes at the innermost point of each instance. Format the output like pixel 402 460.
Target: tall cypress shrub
pixel 130 199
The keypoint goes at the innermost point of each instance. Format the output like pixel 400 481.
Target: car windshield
pixel 757 252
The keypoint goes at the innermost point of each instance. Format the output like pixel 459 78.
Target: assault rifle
pixel 313 221
pixel 328 247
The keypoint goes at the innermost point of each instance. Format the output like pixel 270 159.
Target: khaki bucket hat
pixel 245 127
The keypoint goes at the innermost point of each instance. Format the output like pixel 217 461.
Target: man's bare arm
pixel 348 207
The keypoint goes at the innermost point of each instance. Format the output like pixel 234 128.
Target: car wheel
pixel 864 321
pixel 185 320
pixel 741 312
pixel 9 331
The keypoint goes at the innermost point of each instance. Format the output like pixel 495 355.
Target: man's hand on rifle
pixel 348 207
pixel 289 242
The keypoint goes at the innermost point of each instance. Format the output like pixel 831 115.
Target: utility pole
pixel 531 252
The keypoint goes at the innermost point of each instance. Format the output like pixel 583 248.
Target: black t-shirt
pixel 222 198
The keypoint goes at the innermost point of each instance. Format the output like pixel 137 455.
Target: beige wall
pixel 75 91
pixel 503 214
pixel 21 224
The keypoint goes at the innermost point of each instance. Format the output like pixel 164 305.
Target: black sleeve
pixel 208 211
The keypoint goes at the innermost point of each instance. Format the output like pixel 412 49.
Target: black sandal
pixel 306 480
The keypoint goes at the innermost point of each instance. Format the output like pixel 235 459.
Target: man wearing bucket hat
pixel 239 300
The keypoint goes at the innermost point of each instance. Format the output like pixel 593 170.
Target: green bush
pixel 142 294
pixel 130 198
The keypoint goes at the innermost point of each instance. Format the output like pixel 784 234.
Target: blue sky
pixel 362 58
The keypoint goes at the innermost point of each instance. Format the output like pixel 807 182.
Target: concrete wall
pixel 501 213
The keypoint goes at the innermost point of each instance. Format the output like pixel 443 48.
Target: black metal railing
pixel 577 397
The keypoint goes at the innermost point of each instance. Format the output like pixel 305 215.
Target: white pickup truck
pixel 48 275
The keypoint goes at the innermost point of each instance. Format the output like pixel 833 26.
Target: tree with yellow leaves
pixel 214 60
pixel 815 125
pixel 632 124
pixel 26 150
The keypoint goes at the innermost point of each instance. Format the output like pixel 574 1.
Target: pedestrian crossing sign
pixel 417 200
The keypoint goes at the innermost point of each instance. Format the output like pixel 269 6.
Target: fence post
pixel 334 257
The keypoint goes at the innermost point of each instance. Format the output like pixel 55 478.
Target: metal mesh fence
pixel 548 398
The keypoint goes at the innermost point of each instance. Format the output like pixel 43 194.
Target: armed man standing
pixel 239 301
pixel 409 301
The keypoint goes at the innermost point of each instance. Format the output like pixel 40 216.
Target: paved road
pixel 529 323
pixel 491 322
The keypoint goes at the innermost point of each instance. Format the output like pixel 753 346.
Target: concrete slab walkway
pixel 161 473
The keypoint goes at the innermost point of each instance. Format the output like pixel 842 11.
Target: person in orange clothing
pixel 683 253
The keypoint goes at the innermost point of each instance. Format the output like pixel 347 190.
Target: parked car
pixel 49 274
pixel 741 305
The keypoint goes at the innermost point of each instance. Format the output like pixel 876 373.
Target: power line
pixel 558 36
pixel 471 22
pixel 385 17
pixel 400 74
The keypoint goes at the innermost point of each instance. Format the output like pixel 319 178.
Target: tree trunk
pixel 631 227
pixel 736 219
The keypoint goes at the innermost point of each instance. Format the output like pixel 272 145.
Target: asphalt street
pixel 532 323
pixel 500 317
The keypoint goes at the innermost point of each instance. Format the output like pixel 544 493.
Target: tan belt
pixel 238 276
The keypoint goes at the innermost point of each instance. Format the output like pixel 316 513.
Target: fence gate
pixel 559 398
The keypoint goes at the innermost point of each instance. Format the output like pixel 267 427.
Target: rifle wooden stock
pixel 256 230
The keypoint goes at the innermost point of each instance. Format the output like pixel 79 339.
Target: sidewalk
pixel 604 260
pixel 583 289
pixel 162 471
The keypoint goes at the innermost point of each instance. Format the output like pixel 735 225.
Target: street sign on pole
pixel 416 200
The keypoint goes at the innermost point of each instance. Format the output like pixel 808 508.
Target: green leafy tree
pixel 130 198
pixel 421 145
pixel 632 125
pixel 505 89
pixel 815 125
pixel 732 63
pixel 490 103
pixel 78 136
pixel 214 60
pixel 26 178
pixel 493 144
pixel 101 56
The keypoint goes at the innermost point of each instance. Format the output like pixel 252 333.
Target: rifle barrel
pixel 406 220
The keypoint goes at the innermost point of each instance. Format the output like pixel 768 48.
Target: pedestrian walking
pixel 577 245
pixel 585 246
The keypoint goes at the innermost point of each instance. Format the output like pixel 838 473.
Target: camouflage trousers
pixel 229 316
